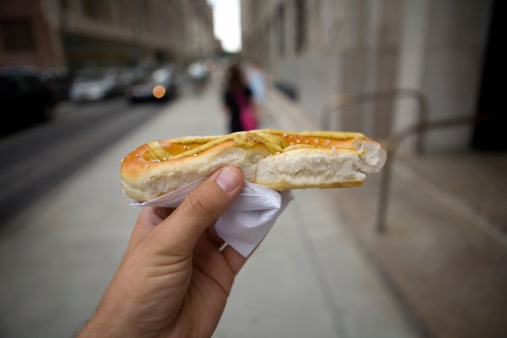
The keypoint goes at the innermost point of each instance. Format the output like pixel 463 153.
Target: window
pixel 64 5
pixel 96 9
pixel 17 34
pixel 281 29
pixel 300 22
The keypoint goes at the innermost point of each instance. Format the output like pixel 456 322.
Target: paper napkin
pixel 247 220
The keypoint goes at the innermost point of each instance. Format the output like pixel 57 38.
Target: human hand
pixel 173 280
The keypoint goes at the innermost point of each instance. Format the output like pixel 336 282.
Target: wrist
pixel 107 324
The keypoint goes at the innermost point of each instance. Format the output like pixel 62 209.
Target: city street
pixel 57 257
pixel 419 250
pixel 322 271
pixel 57 148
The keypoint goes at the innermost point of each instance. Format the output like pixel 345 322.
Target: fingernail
pixel 227 179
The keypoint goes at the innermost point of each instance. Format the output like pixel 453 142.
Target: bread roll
pixel 277 159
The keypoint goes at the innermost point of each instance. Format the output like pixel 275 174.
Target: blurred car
pixel 25 99
pixel 94 84
pixel 158 85
pixel 58 81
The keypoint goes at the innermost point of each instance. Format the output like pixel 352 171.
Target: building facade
pixel 327 47
pixel 75 33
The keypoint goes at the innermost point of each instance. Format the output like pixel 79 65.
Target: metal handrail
pixel 337 102
pixel 392 146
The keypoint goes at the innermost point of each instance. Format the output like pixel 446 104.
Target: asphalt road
pixel 38 158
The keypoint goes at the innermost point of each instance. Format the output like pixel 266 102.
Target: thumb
pixel 179 232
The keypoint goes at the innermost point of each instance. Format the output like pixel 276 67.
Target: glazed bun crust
pixel 277 159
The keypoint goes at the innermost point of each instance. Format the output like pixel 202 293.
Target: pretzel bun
pixel 277 159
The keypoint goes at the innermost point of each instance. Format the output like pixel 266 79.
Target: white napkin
pixel 247 220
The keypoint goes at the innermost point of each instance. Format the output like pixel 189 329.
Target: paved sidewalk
pixel 309 278
pixel 444 252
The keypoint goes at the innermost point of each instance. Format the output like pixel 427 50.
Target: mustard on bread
pixel 277 159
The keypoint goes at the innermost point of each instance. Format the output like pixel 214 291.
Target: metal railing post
pixel 337 102
pixel 392 147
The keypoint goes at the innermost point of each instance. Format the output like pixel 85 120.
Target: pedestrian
pixel 175 275
pixel 237 100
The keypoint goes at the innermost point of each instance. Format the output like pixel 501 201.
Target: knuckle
pixel 199 204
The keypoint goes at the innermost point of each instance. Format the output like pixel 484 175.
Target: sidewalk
pixel 444 252
pixel 309 278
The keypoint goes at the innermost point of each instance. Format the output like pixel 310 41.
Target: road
pixel 36 159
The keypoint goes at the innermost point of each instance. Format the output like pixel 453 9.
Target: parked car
pixel 94 84
pixel 58 81
pixel 25 99
pixel 158 85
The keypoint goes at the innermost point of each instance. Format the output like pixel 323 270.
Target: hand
pixel 173 280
